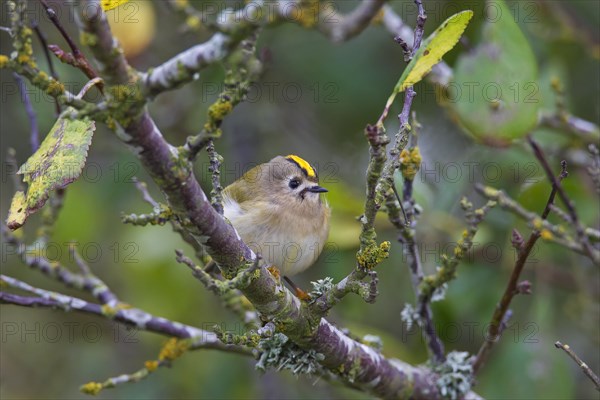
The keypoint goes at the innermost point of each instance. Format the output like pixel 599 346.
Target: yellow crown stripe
pixel 110 4
pixel 303 164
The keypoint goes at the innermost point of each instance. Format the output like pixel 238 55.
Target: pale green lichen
pixel 280 353
pixel 455 375
pixel 320 287
pixel 410 316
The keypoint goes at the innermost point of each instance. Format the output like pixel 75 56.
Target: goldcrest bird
pixel 277 209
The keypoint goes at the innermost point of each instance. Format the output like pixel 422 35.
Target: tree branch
pixel 523 252
pixel 556 186
pixel 550 232
pixel 34 135
pixel 342 28
pixel 233 26
pixel 111 62
pixel 585 368
pixel 85 281
pixel 78 59
pixel 128 316
pixel 441 73
pixel 185 66
pixel 44 42
pixel 356 363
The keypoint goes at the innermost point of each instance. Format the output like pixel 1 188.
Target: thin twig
pixel 420 28
pixel 560 118
pixel 81 61
pixel 143 189
pixel 97 81
pixel 539 154
pixel 12 167
pixel 34 139
pixel 441 73
pixel 523 251
pixel 231 298
pixel 44 42
pixel 586 369
pixel 344 27
pixel 572 125
pixel 42 38
pixel 128 316
pixel 54 18
pixel 593 168
pixel 553 233
pixel 175 224
pixel 434 344
pixel 86 281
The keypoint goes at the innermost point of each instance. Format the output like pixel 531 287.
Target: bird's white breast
pixel 282 240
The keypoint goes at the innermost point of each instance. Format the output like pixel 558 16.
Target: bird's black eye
pixel 294 183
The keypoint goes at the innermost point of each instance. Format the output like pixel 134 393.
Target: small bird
pixel 277 209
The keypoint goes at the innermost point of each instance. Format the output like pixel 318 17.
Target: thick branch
pixel 185 66
pixel 363 366
pixel 113 67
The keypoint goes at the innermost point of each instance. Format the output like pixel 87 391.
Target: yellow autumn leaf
pixel 57 163
pixel 18 211
pixel 110 4
pixel 431 51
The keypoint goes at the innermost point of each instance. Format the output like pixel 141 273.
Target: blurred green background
pixel 314 99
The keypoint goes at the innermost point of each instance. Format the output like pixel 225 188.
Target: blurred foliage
pixel 500 71
pixel 315 99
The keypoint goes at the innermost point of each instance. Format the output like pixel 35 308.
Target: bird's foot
pixel 301 294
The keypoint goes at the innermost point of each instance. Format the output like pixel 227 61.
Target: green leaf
pixel 494 93
pixel 57 163
pixel 431 51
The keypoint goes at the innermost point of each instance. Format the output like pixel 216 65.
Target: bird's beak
pixel 317 189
